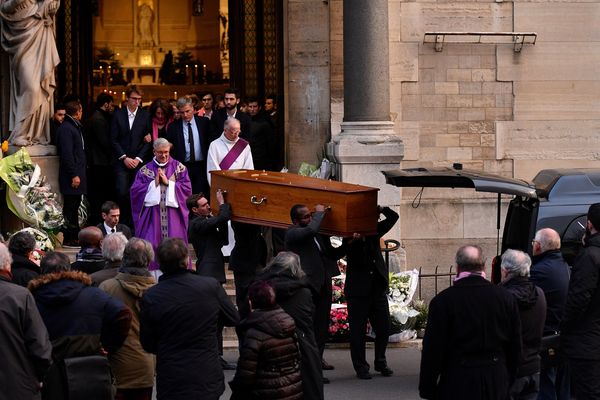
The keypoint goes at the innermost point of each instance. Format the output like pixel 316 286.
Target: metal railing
pixel 436 276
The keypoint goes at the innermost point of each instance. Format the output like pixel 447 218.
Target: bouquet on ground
pixel 337 289
pixel 28 195
pixel 402 315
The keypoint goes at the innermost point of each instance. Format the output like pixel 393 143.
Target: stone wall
pixel 483 105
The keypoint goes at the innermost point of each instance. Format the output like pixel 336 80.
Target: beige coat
pixel 132 366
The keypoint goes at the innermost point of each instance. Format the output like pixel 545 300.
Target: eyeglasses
pixel 135 98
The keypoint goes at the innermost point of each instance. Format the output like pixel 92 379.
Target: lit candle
pixel 122 96
pixel 175 95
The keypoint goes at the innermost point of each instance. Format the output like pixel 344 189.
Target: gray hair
pixel 161 142
pixel 470 258
pixel 138 253
pixel 55 261
pixel 113 246
pixel 516 262
pixel 5 257
pixel 287 260
pixel 184 101
pixel 229 121
pixel 548 239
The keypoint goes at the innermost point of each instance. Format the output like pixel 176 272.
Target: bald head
pixel 470 258
pixel 545 240
pixel 90 237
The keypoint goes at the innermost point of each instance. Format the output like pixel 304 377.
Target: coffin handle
pixel 254 200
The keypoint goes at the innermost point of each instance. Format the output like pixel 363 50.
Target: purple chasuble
pixel 147 220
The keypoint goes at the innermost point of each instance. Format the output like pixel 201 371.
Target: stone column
pixel 367 144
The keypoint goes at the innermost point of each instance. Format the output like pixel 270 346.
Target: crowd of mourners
pixel 136 310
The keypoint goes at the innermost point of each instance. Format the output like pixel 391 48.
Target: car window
pixel 571 240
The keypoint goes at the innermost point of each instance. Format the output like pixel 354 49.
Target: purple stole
pixel 233 154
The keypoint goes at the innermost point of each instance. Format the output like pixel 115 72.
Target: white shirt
pixel 109 230
pixel 218 150
pixel 131 116
pixel 186 140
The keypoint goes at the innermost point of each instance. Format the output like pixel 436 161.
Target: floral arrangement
pixel 337 289
pixel 29 196
pixel 401 290
pixel 42 240
pixel 338 322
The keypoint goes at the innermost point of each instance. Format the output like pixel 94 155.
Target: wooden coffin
pixel 265 198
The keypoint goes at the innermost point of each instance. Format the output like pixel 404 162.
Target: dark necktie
pixel 112 230
pixel 191 137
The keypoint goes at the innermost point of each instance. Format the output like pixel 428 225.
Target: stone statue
pixel 146 14
pixel 29 39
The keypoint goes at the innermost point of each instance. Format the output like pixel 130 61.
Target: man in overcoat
pixel 580 327
pixel 179 324
pixel 472 342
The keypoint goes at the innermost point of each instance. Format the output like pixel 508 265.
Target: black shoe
pixel 364 374
pixel 326 366
pixel 227 366
pixel 384 370
pixel 326 381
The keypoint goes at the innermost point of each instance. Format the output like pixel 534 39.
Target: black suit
pixel 218 121
pixel 365 289
pixel 472 342
pixel 319 262
pixel 196 169
pixel 120 228
pixel 208 235
pixel 128 142
pixel 69 141
pixel 100 159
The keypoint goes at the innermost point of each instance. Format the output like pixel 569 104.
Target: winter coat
pixel 132 366
pixel 550 272
pixel 178 323
pixel 580 333
pixel 472 342
pixel 25 349
pixel 81 320
pixel 269 363
pixel 532 310
pixel 89 260
pixel 295 298
pixel 23 270
pixel 110 270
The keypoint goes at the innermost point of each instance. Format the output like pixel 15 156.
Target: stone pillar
pixel 367 144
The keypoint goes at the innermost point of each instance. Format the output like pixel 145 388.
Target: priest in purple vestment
pixel 158 197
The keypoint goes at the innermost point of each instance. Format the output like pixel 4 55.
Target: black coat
pixel 269 363
pixel 263 144
pixel 130 142
pixel 208 235
pixel 175 136
pixel 532 310
pixel 25 348
pixel 551 273
pixel 72 161
pixel 98 146
pixel 472 342
pixel 178 321
pixel 580 333
pixel 294 296
pixel 318 264
pixel 249 252
pixel 81 321
pixel 23 270
pixel 367 272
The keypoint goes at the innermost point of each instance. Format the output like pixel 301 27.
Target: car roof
pixel 567 182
